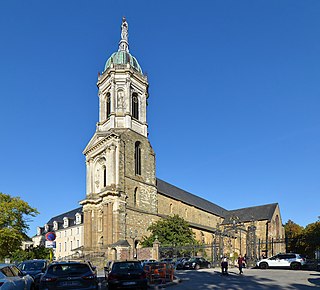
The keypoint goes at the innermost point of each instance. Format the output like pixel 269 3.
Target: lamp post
pixel 133 236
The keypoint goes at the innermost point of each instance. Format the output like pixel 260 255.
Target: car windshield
pixel 123 267
pixel 68 269
pixel 31 266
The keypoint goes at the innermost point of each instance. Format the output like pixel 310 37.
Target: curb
pixel 175 281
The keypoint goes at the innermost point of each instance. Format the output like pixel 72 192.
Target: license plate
pixel 69 283
pixel 128 283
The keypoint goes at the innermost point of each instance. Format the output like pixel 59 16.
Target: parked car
pixel 69 275
pixel 147 261
pixel 179 263
pixel 107 268
pixel 35 268
pixel 289 260
pixel 196 263
pixel 11 278
pixel 126 275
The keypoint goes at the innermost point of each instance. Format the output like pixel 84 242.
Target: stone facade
pixel 123 195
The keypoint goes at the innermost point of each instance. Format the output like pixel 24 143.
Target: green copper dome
pixel 123 57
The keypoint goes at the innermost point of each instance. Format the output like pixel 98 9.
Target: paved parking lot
pixel 251 279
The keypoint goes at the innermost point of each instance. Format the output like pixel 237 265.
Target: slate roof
pixel 121 243
pixel 258 213
pixel 176 193
pixel 70 214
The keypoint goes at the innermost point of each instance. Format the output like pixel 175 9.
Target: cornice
pixel 90 201
pixel 122 69
pixel 101 142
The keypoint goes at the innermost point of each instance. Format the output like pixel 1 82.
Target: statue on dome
pixel 124 29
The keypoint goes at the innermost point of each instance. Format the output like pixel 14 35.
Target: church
pixel 124 196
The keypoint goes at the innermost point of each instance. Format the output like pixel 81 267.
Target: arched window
pixel 171 208
pixel 108 105
pixel 135 197
pixel 104 176
pixel 277 227
pixel 135 106
pixel 137 158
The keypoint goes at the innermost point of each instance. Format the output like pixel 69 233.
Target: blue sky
pixel 234 98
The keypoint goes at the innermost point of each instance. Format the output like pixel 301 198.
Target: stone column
pixel 91 186
pixel 156 250
pixel 88 177
pixel 110 223
pixel 105 224
pixel 87 229
pixel 112 164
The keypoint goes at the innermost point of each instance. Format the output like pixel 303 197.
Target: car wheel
pixel 295 266
pixel 197 267
pixel 209 266
pixel 264 266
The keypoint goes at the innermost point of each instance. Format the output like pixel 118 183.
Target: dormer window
pixel 46 227
pixel 135 106
pixel 65 222
pixel 55 225
pixel 78 218
pixel 38 231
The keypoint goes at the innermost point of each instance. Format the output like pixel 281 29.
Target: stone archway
pixel 114 254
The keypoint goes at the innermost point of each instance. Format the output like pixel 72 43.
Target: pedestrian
pixel 240 263
pixel 224 266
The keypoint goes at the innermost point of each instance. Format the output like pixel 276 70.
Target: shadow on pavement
pixel 240 282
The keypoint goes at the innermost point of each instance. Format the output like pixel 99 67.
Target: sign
pixel 51 244
pixel 50 236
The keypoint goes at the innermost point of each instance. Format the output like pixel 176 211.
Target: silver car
pixel 289 260
pixel 11 278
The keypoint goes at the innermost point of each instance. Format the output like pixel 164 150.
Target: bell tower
pixel 123 91
pixel 120 162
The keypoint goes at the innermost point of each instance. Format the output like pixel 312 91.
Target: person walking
pixel 240 263
pixel 224 266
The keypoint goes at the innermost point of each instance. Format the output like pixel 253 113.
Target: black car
pixel 69 275
pixel 196 263
pixel 127 275
pixel 35 268
pixel 179 263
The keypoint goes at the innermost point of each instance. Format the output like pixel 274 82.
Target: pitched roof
pixel 70 214
pixel 261 212
pixel 174 192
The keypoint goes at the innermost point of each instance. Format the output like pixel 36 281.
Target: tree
pixel 39 252
pixel 172 231
pixel 311 238
pixel 294 234
pixel 292 230
pixel 13 223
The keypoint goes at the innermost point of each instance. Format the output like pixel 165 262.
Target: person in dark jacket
pixel 224 266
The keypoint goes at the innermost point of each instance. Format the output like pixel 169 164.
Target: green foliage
pixel 173 231
pixel 13 223
pixel 311 238
pixel 292 229
pixel 39 252
pixel 302 240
